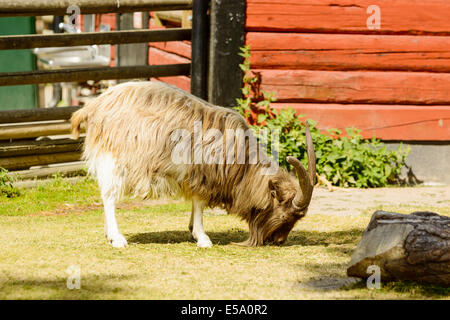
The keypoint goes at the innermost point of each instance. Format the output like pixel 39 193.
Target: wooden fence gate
pixel 24 141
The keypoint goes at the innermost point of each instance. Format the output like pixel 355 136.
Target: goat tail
pixel 77 118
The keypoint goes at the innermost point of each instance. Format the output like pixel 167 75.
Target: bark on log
pixel 405 247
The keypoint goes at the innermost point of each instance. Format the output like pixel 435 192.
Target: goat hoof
pixel 118 241
pixel 204 243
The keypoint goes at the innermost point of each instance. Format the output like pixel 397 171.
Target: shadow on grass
pixel 302 238
pixel 408 287
pixel 334 280
pixel 56 288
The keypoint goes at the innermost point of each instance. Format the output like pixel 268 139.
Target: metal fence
pixel 19 129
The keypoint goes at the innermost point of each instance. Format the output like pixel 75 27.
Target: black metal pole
pixel 227 35
pixel 199 56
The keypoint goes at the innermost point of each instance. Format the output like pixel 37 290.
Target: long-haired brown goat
pixel 132 136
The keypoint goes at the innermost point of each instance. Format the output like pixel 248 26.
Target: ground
pixel 52 228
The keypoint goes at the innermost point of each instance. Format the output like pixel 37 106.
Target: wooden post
pixel 227 36
pixel 129 54
pixel 89 23
pixel 186 19
pixel 146 26
pixel 199 60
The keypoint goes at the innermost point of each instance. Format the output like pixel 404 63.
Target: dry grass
pixel 50 228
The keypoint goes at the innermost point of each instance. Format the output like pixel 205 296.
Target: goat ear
pixel 273 191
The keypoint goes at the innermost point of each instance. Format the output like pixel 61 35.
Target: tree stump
pixel 412 246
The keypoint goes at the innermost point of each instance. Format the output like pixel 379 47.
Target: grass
pixel 50 228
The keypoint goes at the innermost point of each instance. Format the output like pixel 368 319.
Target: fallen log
pixel 412 247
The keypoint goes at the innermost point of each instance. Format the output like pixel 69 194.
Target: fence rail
pixel 39 137
pixel 51 7
pixel 89 38
pixel 68 169
pixel 44 114
pixel 33 130
pixel 26 148
pixel 84 74
pixel 24 162
pixel 20 147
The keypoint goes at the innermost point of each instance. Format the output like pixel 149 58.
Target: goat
pixel 131 139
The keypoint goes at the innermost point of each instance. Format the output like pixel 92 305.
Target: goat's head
pixel 289 201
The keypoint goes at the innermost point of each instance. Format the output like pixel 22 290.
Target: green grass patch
pixel 40 241
pixel 50 196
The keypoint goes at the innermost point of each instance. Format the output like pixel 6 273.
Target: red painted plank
pixel 109 19
pixel 181 48
pixel 358 86
pixel 181 82
pixel 337 16
pixel 349 52
pixel 157 56
pixel 387 122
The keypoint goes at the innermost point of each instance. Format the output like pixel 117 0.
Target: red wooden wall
pixel 171 52
pixel 319 57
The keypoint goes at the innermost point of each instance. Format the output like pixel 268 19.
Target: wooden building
pixel 330 61
pixel 384 69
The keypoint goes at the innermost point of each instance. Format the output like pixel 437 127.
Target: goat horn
pixel 306 180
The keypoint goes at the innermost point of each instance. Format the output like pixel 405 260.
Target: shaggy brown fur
pixel 134 122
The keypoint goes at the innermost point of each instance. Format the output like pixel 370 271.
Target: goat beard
pixel 261 226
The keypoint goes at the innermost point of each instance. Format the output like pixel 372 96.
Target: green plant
pixel 344 160
pixel 6 185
